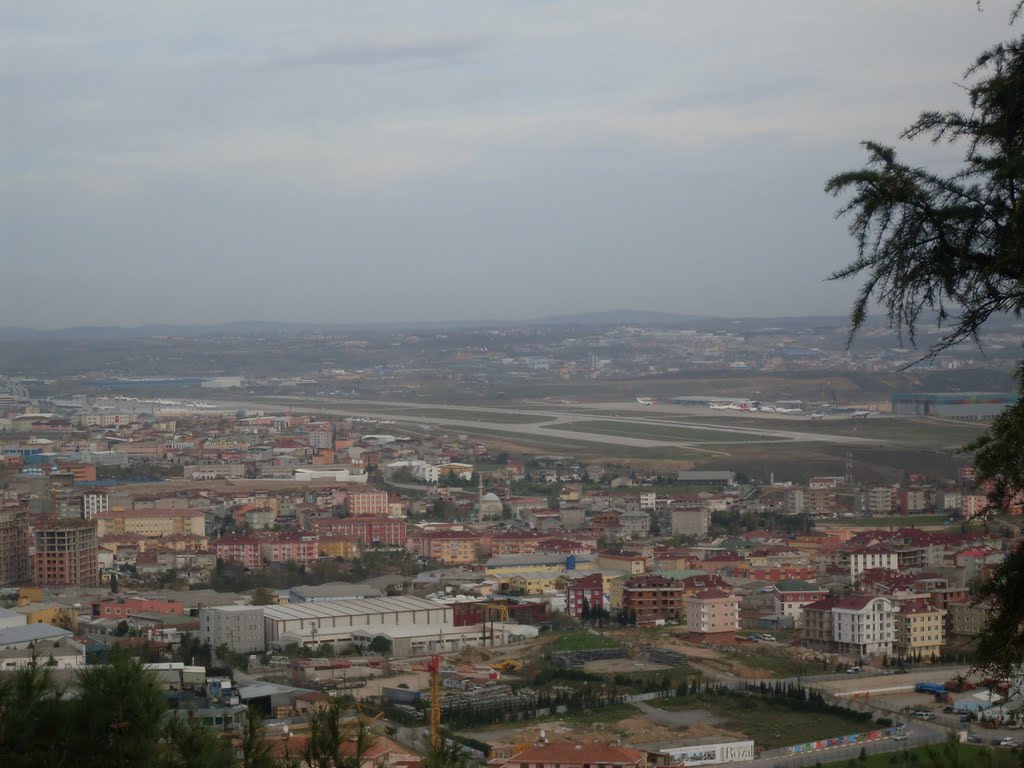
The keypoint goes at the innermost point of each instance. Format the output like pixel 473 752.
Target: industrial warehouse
pixel 962 406
pixel 412 625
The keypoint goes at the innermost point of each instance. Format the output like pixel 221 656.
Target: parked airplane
pixel 860 414
pixel 646 400
pixel 788 410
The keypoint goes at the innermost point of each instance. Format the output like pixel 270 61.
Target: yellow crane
pixel 434 667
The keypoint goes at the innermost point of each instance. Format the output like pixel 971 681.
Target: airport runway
pixel 772 433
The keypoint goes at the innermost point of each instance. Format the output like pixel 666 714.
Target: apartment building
pixel 652 598
pixel 368 504
pixel 920 631
pixel 879 500
pixel 635 524
pixel 791 596
pixel 966 620
pixel 815 500
pixel 335 545
pixel 913 500
pixel 247 551
pixel 856 560
pixel 152 523
pixel 631 562
pixel 588 591
pixel 368 531
pixel 690 521
pixel 95 503
pixel 712 614
pixel 296 547
pixel 15 565
pixel 239 627
pixel 858 626
pixel 66 554
pixel 447 547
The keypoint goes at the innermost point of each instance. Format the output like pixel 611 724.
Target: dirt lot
pixel 417 681
pixel 637 728
pixel 623 666
pixel 878 684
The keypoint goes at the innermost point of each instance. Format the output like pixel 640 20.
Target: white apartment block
pixel 239 627
pixel 856 561
pixel 95 503
pixel 863 626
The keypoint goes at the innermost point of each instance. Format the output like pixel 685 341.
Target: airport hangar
pixel 963 406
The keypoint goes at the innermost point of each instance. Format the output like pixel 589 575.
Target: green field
pixel 397 412
pixel 582 641
pixel 663 432
pixel 906 431
pixel 764 721
pixel 582 448
pixel 968 756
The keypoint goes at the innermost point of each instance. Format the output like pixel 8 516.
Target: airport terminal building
pixel 965 406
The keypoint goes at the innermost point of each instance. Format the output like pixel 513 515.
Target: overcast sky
pixel 339 161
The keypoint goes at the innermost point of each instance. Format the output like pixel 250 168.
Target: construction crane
pixel 434 668
pixel 488 611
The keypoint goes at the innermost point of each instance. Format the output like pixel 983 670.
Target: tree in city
pixel 262 596
pixel 117 717
pixel 449 754
pixel 951 245
pixel 334 741
pixel 254 750
pixel 380 645
pixel 113 583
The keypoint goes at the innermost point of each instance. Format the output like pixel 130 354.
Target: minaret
pixel 480 493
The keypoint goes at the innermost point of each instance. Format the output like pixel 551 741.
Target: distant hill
pixel 616 317
pixel 604 318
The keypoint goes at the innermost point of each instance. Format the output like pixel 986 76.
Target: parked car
pixel 1009 741
pixel 974 739
pixel 853 671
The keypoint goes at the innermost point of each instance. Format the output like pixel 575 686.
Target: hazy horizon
pixel 187 163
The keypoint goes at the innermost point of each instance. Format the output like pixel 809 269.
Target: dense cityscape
pixel 265 545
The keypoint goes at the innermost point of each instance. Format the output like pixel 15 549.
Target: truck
pixel 968 706
pixel 930 688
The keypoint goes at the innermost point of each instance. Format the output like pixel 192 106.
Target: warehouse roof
pixel 31 633
pixel 328 609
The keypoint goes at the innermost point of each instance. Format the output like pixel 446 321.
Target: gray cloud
pixel 416 161
pixel 422 52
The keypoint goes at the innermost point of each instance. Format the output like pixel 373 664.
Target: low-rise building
pixel 311 624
